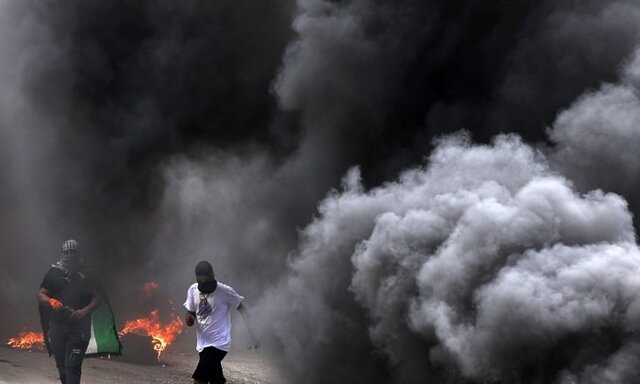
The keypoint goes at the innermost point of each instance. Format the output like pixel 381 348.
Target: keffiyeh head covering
pixel 70 260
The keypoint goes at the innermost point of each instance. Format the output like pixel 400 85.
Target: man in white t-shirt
pixel 209 305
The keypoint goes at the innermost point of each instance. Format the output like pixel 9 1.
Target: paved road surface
pixel 241 367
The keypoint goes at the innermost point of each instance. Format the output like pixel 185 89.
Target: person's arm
pixel 189 305
pixel 80 314
pixel 255 343
pixel 43 296
pixel 46 300
pixel 190 318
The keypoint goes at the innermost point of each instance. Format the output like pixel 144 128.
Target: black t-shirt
pixel 74 290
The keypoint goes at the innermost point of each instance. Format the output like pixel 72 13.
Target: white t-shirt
pixel 213 315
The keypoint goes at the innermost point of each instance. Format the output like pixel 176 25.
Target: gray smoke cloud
pixel 595 138
pixel 229 209
pixel 490 274
pixel 483 265
pixel 26 151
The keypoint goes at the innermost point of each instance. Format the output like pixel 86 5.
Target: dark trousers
pixel 69 342
pixel 209 369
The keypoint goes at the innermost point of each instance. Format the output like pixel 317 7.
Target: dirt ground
pixel 241 367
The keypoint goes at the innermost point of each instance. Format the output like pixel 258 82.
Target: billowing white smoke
pixel 597 138
pixel 484 265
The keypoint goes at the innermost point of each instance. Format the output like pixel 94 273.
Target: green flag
pixel 104 337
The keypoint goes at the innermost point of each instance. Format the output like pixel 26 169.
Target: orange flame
pixel 149 287
pixel 161 334
pixel 27 340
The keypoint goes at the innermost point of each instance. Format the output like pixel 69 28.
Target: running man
pixel 209 305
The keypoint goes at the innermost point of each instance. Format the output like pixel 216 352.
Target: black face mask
pixel 206 284
pixel 71 262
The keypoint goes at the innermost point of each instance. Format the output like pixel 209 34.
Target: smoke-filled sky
pixel 406 191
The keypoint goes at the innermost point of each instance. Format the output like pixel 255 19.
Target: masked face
pixel 206 279
pixel 71 260
pixel 206 283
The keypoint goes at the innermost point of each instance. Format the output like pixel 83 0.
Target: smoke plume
pixel 485 265
pixel 97 97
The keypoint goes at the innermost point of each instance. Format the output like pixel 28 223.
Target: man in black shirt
pixel 68 297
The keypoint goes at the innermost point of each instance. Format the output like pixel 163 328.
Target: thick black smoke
pixel 96 96
pixel 423 273
pixel 161 133
pixel 383 78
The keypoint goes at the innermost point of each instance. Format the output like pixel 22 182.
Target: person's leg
pixel 57 339
pixel 216 363
pixel 202 374
pixel 209 369
pixel 77 343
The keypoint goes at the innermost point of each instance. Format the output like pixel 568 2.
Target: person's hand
pixel 55 304
pixel 190 319
pixel 79 314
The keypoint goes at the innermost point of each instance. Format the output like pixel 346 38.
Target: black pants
pixel 209 369
pixel 69 342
